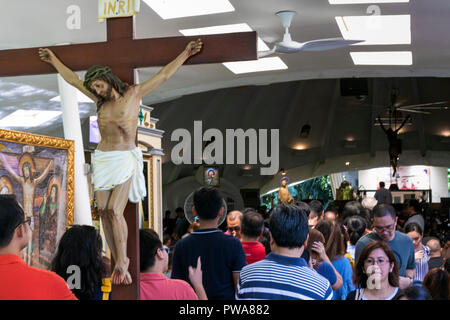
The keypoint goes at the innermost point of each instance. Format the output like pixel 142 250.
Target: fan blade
pixel 426 108
pixel 414 111
pixel 365 105
pixel 262 54
pixel 426 104
pixel 327 44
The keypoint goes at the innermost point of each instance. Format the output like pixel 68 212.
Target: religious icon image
pixel 284 196
pixel 5 185
pixel 48 220
pixel 211 176
pixel 28 181
pixel 27 172
pixel 117 162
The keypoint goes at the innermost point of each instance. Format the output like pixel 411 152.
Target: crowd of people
pixel 363 251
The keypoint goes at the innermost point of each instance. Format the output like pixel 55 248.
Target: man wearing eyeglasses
pixel 18 281
pixel 384 228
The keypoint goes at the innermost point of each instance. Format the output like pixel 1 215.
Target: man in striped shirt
pixel 283 274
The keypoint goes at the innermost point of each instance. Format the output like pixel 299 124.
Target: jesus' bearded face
pixel 102 89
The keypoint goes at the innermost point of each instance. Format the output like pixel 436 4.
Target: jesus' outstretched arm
pixel 165 73
pixel 71 77
pixel 9 169
pixel 44 173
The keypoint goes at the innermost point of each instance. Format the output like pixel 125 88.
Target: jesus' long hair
pixel 104 73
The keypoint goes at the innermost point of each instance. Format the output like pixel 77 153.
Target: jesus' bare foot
pixel 120 274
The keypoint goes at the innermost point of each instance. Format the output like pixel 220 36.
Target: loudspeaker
pixel 250 197
pixel 354 87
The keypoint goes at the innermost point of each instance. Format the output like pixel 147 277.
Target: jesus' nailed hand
pixel 117 107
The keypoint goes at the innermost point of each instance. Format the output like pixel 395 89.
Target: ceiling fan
pixel 290 46
pixel 396 102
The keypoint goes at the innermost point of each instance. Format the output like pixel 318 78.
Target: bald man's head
pixel 234 220
pixel 435 247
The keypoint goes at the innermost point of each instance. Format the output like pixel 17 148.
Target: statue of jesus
pixel 117 162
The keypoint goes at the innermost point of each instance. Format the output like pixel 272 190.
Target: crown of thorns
pixel 95 73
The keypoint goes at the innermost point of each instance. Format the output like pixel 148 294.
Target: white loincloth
pixel 112 168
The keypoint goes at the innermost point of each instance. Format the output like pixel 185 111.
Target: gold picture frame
pixel 45 165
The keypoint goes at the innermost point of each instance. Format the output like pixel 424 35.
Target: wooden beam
pixel 130 292
pixel 120 28
pixel 130 53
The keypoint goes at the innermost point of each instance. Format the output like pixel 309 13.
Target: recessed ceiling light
pixel 376 30
pixel 81 97
pixel 170 9
pixel 347 163
pixel 299 147
pixel 228 28
pixel 264 64
pixel 365 1
pixel 28 118
pixel 400 58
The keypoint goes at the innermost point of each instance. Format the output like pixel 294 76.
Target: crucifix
pixel 123 54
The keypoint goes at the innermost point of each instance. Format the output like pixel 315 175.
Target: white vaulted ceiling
pixel 270 99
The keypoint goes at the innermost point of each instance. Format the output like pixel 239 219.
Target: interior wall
pixel 175 193
pixel 439 183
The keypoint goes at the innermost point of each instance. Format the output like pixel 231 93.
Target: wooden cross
pixel 123 53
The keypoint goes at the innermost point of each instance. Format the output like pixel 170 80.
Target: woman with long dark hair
pixel 335 250
pixel 81 246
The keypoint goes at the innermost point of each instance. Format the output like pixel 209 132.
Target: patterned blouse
pixel 422 264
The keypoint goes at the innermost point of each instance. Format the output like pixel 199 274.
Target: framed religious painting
pixel 39 171
pixel 211 176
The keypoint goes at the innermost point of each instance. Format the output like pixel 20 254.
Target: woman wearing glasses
pixel 376 274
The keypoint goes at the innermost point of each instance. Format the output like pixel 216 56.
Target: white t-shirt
pixel 363 297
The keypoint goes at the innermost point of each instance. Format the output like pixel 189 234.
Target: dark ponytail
pixel 356 226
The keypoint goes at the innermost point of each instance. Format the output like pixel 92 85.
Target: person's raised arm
pixel 165 73
pixel 71 77
pixel 8 168
pixel 44 173
pixel 403 123
pixel 196 278
pixel 381 124
pixel 318 247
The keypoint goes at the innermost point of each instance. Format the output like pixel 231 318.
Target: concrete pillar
pixel 72 131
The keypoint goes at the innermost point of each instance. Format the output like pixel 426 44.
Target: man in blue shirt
pixel 283 274
pixel 384 225
pixel 222 256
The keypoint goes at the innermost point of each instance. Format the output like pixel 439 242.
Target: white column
pixel 72 131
